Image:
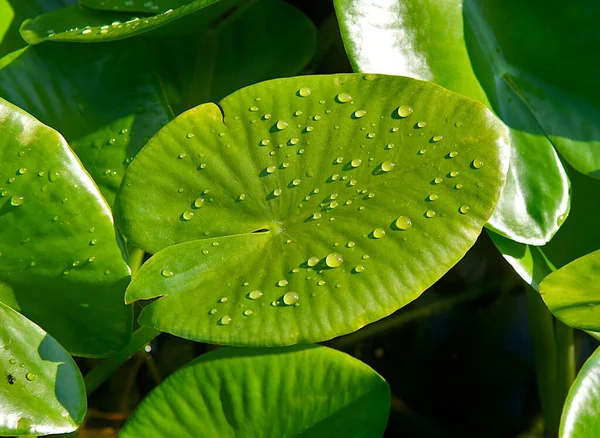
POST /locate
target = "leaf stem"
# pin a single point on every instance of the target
(565, 356)
(107, 367)
(136, 258)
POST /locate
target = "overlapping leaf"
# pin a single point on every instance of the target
(485, 50)
(41, 391)
(60, 262)
(255, 207)
(292, 392)
(105, 99)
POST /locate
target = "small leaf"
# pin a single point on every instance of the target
(582, 407)
(339, 198)
(41, 389)
(277, 392)
(60, 262)
(79, 24)
(573, 293)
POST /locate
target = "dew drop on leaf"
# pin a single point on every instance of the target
(403, 223)
(334, 260)
(290, 298)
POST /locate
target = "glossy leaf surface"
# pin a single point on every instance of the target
(41, 391)
(60, 262)
(485, 50)
(105, 99)
(79, 24)
(211, 64)
(573, 292)
(277, 392)
(294, 176)
(582, 407)
(145, 6)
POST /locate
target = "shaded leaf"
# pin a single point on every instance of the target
(269, 393)
(41, 391)
(582, 407)
(79, 24)
(484, 50)
(105, 99)
(263, 40)
(319, 167)
(60, 262)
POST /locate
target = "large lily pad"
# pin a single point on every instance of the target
(41, 389)
(77, 23)
(484, 49)
(573, 292)
(255, 202)
(106, 114)
(582, 407)
(277, 392)
(60, 262)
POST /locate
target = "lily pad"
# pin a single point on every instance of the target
(484, 50)
(80, 24)
(41, 389)
(247, 392)
(105, 113)
(61, 264)
(573, 292)
(582, 407)
(304, 208)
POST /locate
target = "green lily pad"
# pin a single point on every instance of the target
(215, 62)
(60, 262)
(41, 389)
(105, 113)
(573, 293)
(79, 24)
(247, 392)
(144, 6)
(582, 407)
(301, 209)
(484, 50)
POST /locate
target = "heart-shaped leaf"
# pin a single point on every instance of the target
(213, 63)
(276, 392)
(144, 6)
(41, 389)
(582, 407)
(308, 207)
(573, 292)
(105, 113)
(60, 262)
(79, 24)
(484, 49)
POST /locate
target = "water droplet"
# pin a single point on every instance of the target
(281, 125)
(298, 113)
(432, 197)
(22, 171)
(421, 124)
(356, 162)
(359, 113)
(190, 135)
(282, 283)
(317, 118)
(296, 182)
(276, 192)
(371, 135)
(53, 175)
(253, 109)
(212, 311)
(313, 261)
(378, 233)
(404, 111)
(187, 215)
(351, 244)
(166, 273)
(316, 216)
(270, 169)
(255, 295)
(453, 154)
(387, 166)
(369, 77)
(453, 174)
(223, 300)
(477, 164)
(241, 197)
(458, 124)
(343, 98)
(248, 312)
(403, 223)
(30, 376)
(458, 186)
(464, 209)
(430, 213)
(334, 260)
(290, 298)
(359, 268)
(390, 146)
(266, 116)
(422, 151)
(438, 180)
(225, 320)
(321, 283)
(436, 138)
(198, 202)
(304, 92)
(16, 200)
(561, 219)
(293, 141)
(265, 142)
